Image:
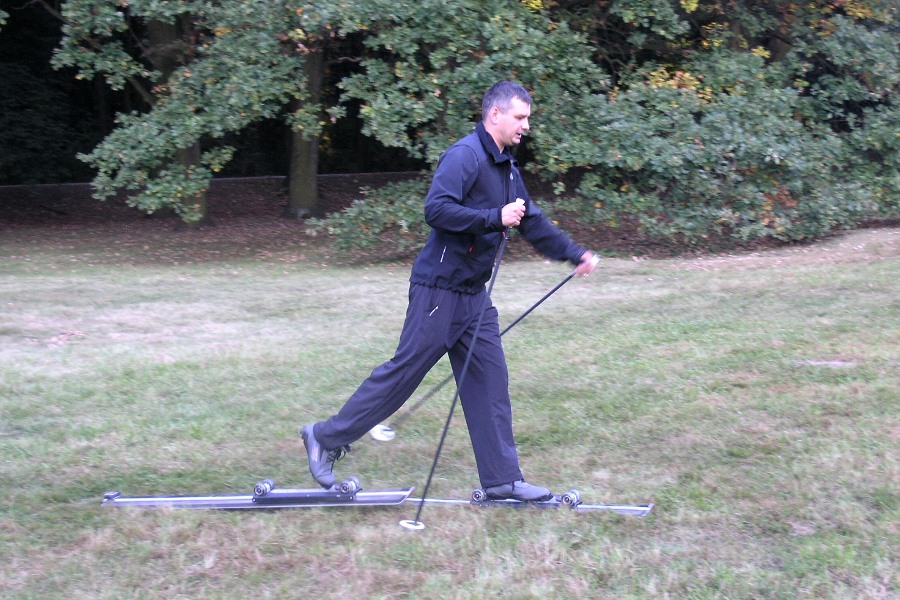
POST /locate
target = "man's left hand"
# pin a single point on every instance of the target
(589, 262)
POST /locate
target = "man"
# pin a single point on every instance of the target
(477, 193)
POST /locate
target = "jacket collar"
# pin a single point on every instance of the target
(491, 146)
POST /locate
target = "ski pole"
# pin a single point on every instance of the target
(415, 523)
(386, 433)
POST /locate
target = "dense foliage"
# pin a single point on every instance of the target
(694, 118)
(748, 120)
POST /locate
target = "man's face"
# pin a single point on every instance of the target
(509, 127)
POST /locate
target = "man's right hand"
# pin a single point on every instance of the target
(512, 213)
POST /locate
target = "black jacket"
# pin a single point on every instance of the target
(472, 183)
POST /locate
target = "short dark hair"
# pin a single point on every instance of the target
(501, 95)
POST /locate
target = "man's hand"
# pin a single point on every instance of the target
(589, 262)
(513, 212)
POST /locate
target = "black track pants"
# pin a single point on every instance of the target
(441, 322)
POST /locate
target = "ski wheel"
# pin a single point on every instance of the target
(479, 495)
(571, 498)
(263, 487)
(350, 486)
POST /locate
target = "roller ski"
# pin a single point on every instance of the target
(569, 500)
(265, 492)
(266, 495)
(347, 493)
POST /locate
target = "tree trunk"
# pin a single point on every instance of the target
(303, 171)
(166, 52)
(191, 156)
(782, 42)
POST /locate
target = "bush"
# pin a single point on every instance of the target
(876, 157)
(397, 208)
(716, 150)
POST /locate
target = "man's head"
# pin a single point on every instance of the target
(505, 110)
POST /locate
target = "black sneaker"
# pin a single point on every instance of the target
(321, 461)
(518, 490)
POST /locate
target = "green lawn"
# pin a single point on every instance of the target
(754, 398)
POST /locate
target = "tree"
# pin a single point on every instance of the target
(204, 69)
(313, 37)
(209, 69)
(431, 61)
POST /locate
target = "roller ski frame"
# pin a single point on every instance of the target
(266, 495)
(570, 500)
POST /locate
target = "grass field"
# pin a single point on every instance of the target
(754, 398)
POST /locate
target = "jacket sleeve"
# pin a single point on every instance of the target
(547, 238)
(444, 209)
